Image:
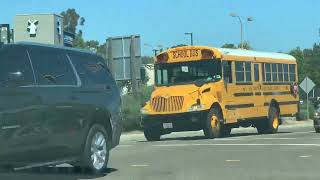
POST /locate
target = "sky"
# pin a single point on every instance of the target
(279, 25)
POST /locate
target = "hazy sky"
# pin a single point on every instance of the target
(279, 25)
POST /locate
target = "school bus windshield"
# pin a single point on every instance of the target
(186, 72)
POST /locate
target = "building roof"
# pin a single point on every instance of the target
(249, 53)
(36, 14)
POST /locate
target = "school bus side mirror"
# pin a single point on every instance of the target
(217, 78)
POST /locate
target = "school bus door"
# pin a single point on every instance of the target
(257, 84)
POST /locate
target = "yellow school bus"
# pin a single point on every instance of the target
(217, 89)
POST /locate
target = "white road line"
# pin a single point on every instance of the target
(305, 156)
(185, 145)
(139, 165)
(232, 160)
(288, 133)
(228, 139)
(275, 138)
(125, 145)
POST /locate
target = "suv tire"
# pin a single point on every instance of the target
(96, 151)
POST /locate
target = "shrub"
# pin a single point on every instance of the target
(131, 106)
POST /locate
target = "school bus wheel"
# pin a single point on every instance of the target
(151, 135)
(212, 126)
(271, 124)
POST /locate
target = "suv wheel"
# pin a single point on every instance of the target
(96, 152)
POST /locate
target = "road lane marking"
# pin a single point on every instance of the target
(139, 165)
(288, 133)
(275, 138)
(232, 160)
(228, 139)
(253, 144)
(305, 156)
(125, 145)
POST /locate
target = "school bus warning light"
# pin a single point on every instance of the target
(162, 58)
(207, 54)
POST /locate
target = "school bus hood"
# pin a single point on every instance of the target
(181, 90)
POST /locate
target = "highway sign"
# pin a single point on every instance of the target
(119, 57)
(307, 85)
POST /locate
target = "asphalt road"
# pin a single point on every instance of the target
(292, 154)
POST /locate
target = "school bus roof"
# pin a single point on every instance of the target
(182, 53)
(249, 53)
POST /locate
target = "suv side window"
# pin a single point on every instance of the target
(91, 69)
(52, 67)
(15, 60)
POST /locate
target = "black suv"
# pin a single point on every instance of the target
(57, 105)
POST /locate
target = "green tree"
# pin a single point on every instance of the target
(298, 54)
(147, 60)
(92, 45)
(246, 45)
(71, 22)
(228, 45)
(102, 50)
(78, 41)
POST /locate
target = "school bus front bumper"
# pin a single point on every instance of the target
(190, 121)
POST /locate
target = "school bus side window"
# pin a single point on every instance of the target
(248, 71)
(227, 71)
(292, 72)
(256, 72)
(285, 73)
(274, 72)
(267, 71)
(243, 71)
(239, 72)
(280, 72)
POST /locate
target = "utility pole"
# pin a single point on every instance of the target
(241, 26)
(133, 67)
(155, 52)
(307, 100)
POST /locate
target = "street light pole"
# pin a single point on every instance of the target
(241, 32)
(191, 37)
(155, 51)
(241, 26)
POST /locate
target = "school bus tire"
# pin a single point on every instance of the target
(151, 136)
(271, 124)
(213, 128)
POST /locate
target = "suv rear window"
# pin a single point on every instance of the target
(52, 67)
(91, 70)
